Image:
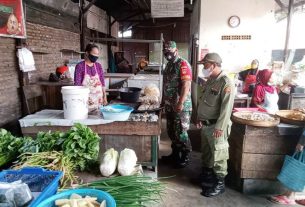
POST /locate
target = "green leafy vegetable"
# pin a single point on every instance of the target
(9, 146)
(81, 145)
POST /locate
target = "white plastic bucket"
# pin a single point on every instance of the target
(75, 102)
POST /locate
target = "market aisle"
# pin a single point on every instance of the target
(181, 192)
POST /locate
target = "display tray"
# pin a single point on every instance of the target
(148, 111)
(293, 117)
(237, 117)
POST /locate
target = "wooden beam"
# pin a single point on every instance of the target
(280, 4)
(88, 6)
(127, 40)
(290, 13)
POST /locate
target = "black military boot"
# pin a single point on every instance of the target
(183, 159)
(173, 157)
(207, 178)
(216, 190)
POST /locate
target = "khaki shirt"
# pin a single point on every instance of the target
(215, 101)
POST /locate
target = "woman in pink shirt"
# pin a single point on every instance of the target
(90, 73)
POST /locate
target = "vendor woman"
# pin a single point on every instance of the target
(265, 95)
(249, 77)
(90, 73)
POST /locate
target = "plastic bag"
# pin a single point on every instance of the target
(15, 194)
(109, 162)
(127, 162)
(6, 196)
(26, 60)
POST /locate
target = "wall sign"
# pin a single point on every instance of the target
(168, 8)
(12, 19)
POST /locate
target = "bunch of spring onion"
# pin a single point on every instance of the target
(53, 160)
(131, 191)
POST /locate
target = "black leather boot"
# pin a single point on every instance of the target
(216, 190)
(183, 159)
(207, 178)
(173, 157)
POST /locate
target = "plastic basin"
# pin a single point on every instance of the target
(116, 112)
(101, 195)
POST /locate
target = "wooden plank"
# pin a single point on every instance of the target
(259, 174)
(261, 162)
(140, 144)
(265, 131)
(114, 128)
(273, 144)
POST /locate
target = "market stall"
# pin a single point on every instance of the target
(258, 146)
(141, 136)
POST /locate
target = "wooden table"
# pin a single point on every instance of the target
(142, 137)
(257, 153)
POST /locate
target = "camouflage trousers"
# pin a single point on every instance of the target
(177, 126)
(215, 151)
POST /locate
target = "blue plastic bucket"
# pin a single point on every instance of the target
(100, 195)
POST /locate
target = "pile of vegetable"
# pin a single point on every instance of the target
(132, 191)
(9, 146)
(81, 145)
(52, 160)
(74, 150)
(76, 200)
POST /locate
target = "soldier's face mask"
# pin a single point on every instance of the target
(207, 70)
(169, 54)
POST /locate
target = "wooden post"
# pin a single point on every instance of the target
(82, 26)
(289, 17)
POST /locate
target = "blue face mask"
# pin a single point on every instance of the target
(92, 58)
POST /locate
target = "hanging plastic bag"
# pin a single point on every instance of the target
(26, 60)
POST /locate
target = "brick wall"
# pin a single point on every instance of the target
(46, 42)
(10, 106)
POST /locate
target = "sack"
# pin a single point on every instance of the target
(292, 174)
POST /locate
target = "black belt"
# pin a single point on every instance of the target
(209, 122)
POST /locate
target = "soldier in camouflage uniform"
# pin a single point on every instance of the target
(177, 78)
(215, 103)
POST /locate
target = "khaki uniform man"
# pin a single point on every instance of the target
(215, 103)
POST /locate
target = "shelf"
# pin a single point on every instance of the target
(40, 52)
(69, 50)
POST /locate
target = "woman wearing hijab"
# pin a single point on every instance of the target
(90, 73)
(265, 95)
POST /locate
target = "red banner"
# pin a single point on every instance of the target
(12, 19)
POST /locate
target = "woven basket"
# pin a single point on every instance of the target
(283, 116)
(292, 174)
(235, 118)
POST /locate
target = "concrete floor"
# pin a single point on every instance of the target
(181, 192)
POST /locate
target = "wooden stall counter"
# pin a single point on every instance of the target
(142, 137)
(257, 153)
